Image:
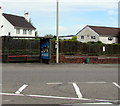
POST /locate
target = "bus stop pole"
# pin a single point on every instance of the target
(57, 38)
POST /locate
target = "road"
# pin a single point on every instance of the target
(26, 83)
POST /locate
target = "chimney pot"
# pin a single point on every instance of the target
(26, 16)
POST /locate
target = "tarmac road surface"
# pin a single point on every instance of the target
(26, 83)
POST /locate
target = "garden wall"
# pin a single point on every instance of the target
(86, 59)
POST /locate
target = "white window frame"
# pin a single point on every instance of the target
(93, 37)
(17, 30)
(30, 32)
(82, 37)
(110, 38)
(24, 31)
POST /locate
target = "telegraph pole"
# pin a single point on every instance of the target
(57, 29)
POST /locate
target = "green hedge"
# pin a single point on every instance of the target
(69, 47)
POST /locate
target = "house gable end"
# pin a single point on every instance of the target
(8, 28)
(87, 34)
(94, 31)
(82, 30)
(87, 31)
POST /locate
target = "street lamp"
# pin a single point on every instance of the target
(57, 38)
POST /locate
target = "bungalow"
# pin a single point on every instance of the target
(107, 35)
(67, 37)
(13, 25)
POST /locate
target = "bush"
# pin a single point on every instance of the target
(31, 47)
(96, 43)
(74, 38)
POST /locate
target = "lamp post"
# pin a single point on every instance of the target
(57, 38)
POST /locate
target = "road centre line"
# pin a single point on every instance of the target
(77, 90)
(96, 82)
(116, 84)
(21, 89)
(50, 83)
(54, 83)
(89, 82)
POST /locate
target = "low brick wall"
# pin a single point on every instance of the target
(21, 58)
(82, 59)
(109, 61)
(69, 59)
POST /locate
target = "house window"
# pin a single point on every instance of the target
(82, 37)
(18, 31)
(110, 38)
(30, 32)
(93, 37)
(24, 31)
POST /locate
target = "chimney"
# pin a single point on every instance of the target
(1, 10)
(1, 15)
(26, 16)
(1, 22)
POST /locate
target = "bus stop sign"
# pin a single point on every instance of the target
(45, 48)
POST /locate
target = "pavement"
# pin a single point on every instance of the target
(64, 84)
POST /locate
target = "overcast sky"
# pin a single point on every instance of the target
(73, 14)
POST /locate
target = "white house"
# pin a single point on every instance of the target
(107, 35)
(13, 25)
(67, 37)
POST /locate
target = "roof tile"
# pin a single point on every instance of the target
(105, 31)
(18, 21)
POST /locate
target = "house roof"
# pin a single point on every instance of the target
(105, 31)
(68, 36)
(18, 21)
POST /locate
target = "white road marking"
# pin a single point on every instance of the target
(116, 84)
(11, 94)
(54, 83)
(98, 103)
(6, 100)
(89, 82)
(77, 90)
(21, 89)
(43, 96)
(80, 97)
(96, 82)
(57, 97)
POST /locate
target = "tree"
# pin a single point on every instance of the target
(36, 34)
(74, 38)
(49, 35)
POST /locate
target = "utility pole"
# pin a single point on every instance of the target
(57, 38)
